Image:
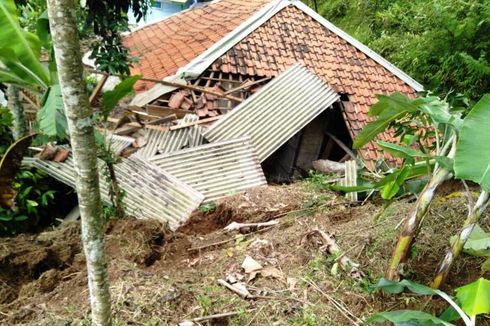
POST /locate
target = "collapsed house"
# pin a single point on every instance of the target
(239, 91)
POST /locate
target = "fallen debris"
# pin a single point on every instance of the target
(235, 226)
(239, 288)
(327, 166)
(329, 245)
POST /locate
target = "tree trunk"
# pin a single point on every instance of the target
(69, 62)
(474, 214)
(20, 124)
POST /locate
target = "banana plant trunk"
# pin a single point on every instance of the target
(76, 102)
(412, 223)
(452, 254)
(15, 106)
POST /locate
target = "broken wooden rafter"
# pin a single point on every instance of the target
(247, 85)
(97, 89)
(178, 85)
(330, 246)
(190, 124)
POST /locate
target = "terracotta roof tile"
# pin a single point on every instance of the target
(288, 37)
(283, 40)
(171, 43)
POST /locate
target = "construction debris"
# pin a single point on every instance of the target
(277, 112)
(327, 166)
(329, 245)
(167, 167)
(216, 170)
(149, 191)
(235, 226)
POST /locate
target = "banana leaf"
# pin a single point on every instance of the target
(25, 46)
(472, 160)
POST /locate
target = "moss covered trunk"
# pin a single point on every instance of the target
(79, 114)
(15, 106)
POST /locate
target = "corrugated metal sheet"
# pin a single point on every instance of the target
(216, 170)
(277, 112)
(177, 139)
(154, 138)
(119, 143)
(150, 192)
(172, 140)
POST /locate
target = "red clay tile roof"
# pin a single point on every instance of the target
(288, 37)
(166, 46)
(292, 36)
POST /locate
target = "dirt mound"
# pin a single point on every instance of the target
(27, 258)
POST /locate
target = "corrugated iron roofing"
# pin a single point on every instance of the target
(119, 143)
(277, 112)
(216, 170)
(172, 140)
(150, 193)
(293, 36)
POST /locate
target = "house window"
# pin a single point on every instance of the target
(157, 4)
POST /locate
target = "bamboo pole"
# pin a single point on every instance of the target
(474, 214)
(412, 223)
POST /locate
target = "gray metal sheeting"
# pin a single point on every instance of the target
(172, 140)
(150, 192)
(216, 170)
(119, 143)
(277, 112)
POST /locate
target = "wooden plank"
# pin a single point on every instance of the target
(247, 85)
(351, 179)
(162, 111)
(190, 124)
(98, 88)
(179, 85)
(159, 128)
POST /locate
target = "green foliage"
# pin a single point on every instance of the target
(442, 43)
(111, 98)
(387, 110)
(408, 317)
(51, 118)
(20, 50)
(34, 197)
(207, 208)
(475, 297)
(6, 121)
(108, 18)
(478, 243)
(472, 161)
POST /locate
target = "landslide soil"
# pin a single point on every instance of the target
(161, 278)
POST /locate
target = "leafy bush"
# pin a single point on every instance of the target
(442, 43)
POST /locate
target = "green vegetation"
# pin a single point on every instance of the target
(444, 44)
(471, 300)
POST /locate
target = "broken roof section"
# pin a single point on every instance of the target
(168, 45)
(149, 191)
(216, 170)
(277, 112)
(268, 39)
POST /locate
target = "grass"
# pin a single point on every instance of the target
(141, 294)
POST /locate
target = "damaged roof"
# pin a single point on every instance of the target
(165, 46)
(262, 38)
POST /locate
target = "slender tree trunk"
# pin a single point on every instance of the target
(474, 214)
(15, 106)
(68, 58)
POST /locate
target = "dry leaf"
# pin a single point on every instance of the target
(250, 265)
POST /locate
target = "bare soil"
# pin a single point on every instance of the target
(162, 278)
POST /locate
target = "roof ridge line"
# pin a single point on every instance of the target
(200, 63)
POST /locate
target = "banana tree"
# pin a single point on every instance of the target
(431, 126)
(20, 66)
(472, 162)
